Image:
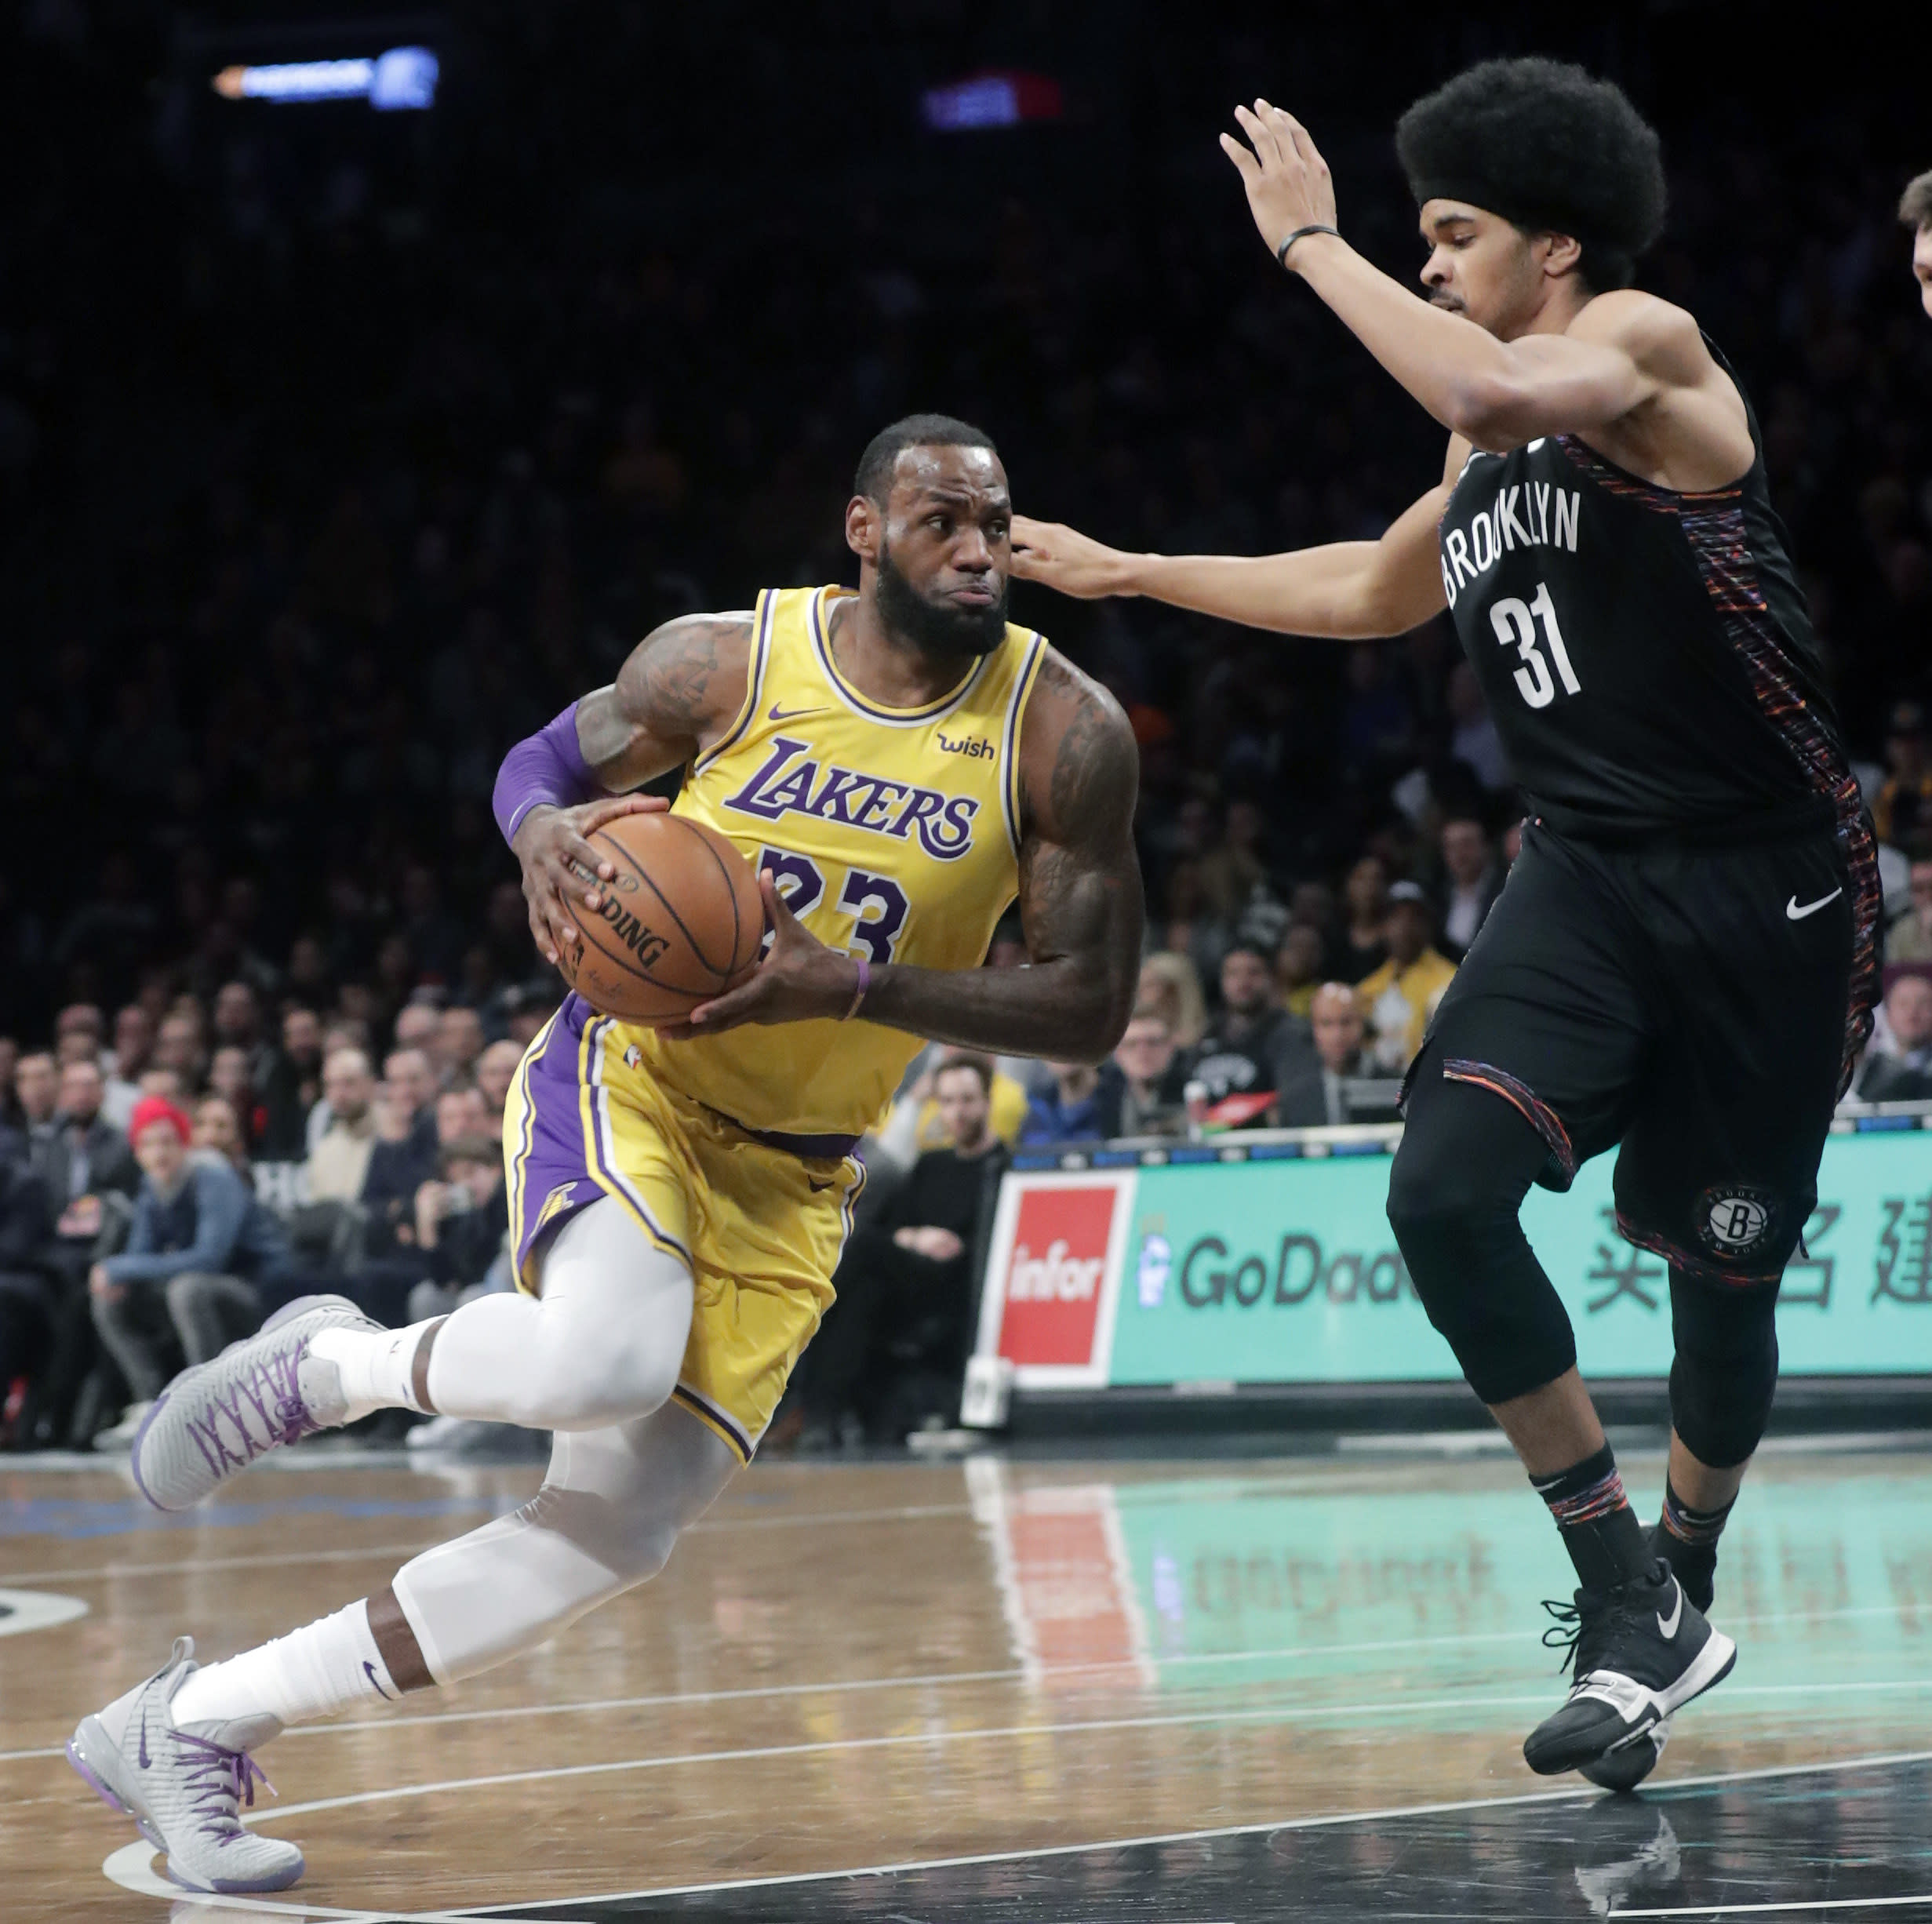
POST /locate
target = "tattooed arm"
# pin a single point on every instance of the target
(679, 691)
(1079, 902)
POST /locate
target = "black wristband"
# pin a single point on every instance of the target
(1316, 226)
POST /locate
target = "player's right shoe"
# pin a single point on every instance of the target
(1631, 1761)
(184, 1790)
(266, 1390)
(1637, 1652)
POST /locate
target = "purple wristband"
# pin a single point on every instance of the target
(544, 770)
(858, 993)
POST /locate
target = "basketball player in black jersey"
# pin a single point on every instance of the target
(1682, 960)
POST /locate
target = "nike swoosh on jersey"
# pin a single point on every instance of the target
(1669, 1630)
(790, 714)
(1794, 913)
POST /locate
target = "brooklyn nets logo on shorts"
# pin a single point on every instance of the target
(1733, 1222)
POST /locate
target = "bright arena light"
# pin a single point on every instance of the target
(403, 78)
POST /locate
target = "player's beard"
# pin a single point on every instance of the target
(942, 629)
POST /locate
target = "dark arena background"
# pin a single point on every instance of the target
(372, 380)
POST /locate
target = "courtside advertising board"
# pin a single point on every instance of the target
(1275, 1263)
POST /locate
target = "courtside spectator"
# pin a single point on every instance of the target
(1169, 987)
(1251, 1047)
(238, 1024)
(89, 1157)
(339, 1163)
(27, 1286)
(230, 1078)
(462, 1214)
(1909, 939)
(200, 1242)
(1901, 811)
(1318, 1098)
(495, 1070)
(460, 1113)
(1298, 964)
(904, 1283)
(1397, 999)
(133, 1047)
(292, 1087)
(218, 1133)
(1153, 1078)
(1365, 938)
(1898, 1065)
(37, 1091)
(178, 1046)
(415, 1026)
(459, 1041)
(1473, 879)
(1080, 1103)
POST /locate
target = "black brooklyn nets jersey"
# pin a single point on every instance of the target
(1646, 655)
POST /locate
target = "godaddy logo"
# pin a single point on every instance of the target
(1295, 1271)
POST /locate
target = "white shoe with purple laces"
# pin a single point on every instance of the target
(183, 1788)
(217, 1417)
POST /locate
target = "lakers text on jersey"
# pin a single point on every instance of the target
(892, 833)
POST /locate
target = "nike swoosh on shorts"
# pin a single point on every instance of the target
(1794, 913)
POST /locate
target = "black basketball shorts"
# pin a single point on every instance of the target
(1694, 1005)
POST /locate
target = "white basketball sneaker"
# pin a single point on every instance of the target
(266, 1390)
(184, 1788)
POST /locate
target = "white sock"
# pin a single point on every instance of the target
(378, 1367)
(323, 1668)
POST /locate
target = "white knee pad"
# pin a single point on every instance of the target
(606, 1518)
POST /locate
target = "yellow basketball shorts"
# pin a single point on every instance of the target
(760, 1227)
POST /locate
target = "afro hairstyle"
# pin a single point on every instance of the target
(1549, 148)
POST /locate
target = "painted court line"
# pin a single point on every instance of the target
(132, 1865)
(944, 1679)
(1767, 1910)
(1279, 1714)
(1715, 1780)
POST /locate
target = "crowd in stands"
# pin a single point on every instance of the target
(393, 459)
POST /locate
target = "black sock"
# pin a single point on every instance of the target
(1687, 1539)
(1599, 1529)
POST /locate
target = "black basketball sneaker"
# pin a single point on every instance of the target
(1625, 1766)
(1637, 1653)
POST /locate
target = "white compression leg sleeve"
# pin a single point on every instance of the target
(604, 1344)
(605, 1520)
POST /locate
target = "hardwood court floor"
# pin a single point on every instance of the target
(851, 1667)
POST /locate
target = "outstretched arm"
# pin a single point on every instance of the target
(1352, 591)
(1080, 904)
(1624, 352)
(679, 690)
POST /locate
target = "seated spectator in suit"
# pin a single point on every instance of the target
(37, 1095)
(1397, 999)
(1316, 1099)
(200, 1242)
(411, 1080)
(339, 1163)
(1475, 879)
(86, 1159)
(905, 1283)
(1154, 1078)
(1898, 1065)
(1909, 939)
(1081, 1103)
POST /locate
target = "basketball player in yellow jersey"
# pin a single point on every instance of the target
(899, 763)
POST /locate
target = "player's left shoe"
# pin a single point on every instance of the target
(182, 1786)
(1638, 1652)
(259, 1394)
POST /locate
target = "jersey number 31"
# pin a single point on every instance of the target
(1516, 623)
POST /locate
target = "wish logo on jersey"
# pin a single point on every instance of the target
(792, 782)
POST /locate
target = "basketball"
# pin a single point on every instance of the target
(680, 921)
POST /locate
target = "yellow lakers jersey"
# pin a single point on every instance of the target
(893, 834)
